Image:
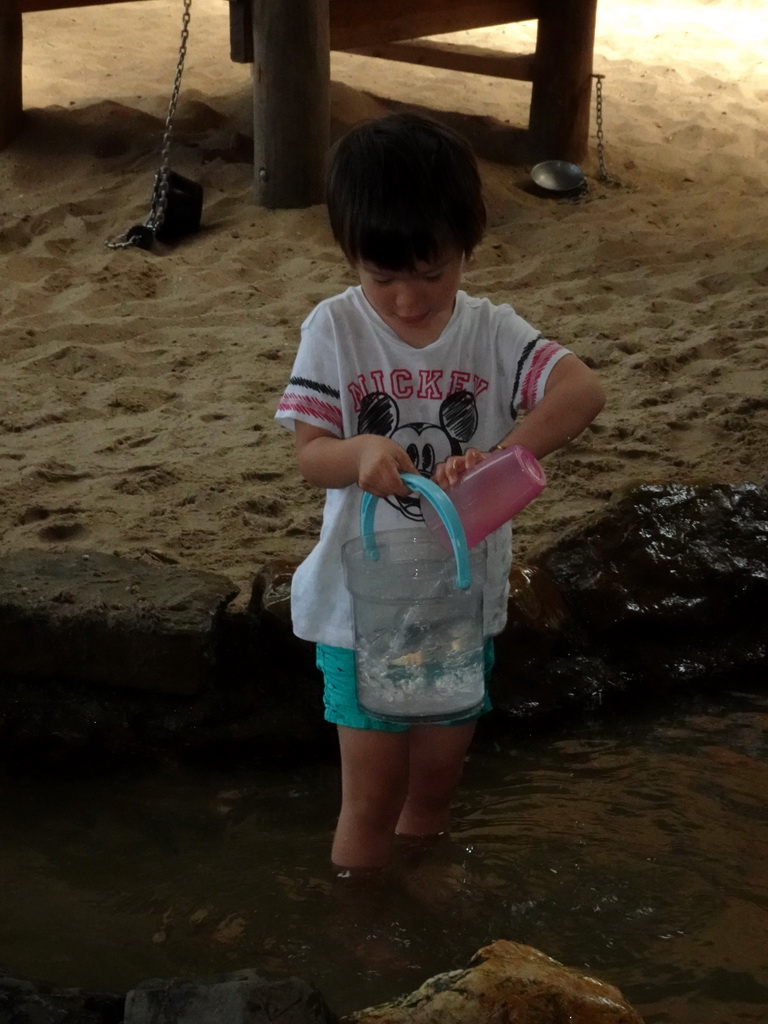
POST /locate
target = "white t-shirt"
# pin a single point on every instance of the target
(353, 375)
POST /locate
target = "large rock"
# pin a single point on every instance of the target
(506, 982)
(107, 658)
(103, 619)
(664, 589)
(679, 556)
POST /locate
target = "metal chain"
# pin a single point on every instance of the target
(159, 201)
(160, 194)
(603, 173)
(583, 195)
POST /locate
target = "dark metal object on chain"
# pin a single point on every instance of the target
(559, 177)
(177, 202)
(566, 180)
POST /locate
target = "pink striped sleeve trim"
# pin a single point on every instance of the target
(541, 360)
(314, 409)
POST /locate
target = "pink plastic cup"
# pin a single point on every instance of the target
(490, 494)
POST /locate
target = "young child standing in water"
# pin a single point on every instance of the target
(406, 373)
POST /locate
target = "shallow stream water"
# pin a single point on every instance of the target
(632, 845)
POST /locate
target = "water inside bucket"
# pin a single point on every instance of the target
(431, 673)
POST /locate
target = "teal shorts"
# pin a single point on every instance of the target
(340, 694)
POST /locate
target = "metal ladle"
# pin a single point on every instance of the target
(558, 176)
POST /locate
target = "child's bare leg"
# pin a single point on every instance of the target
(374, 779)
(436, 760)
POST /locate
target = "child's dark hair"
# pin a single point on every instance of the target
(404, 189)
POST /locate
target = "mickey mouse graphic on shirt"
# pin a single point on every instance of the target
(427, 444)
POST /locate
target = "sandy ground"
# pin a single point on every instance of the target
(139, 387)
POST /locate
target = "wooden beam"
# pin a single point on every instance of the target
(356, 23)
(28, 6)
(562, 80)
(291, 101)
(11, 46)
(453, 57)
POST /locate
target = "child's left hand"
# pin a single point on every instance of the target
(455, 466)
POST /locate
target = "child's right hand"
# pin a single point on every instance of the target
(380, 463)
(453, 469)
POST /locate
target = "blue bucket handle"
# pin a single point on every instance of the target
(444, 508)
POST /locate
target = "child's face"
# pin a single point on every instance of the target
(416, 304)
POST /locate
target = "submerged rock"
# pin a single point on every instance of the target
(506, 981)
(35, 1002)
(242, 997)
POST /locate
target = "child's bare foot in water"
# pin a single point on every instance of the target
(365, 922)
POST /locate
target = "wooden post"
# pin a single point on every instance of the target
(291, 100)
(10, 71)
(240, 32)
(562, 80)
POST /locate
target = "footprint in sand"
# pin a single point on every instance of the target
(39, 514)
(54, 472)
(56, 532)
(145, 479)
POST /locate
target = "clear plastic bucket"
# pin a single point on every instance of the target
(418, 617)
